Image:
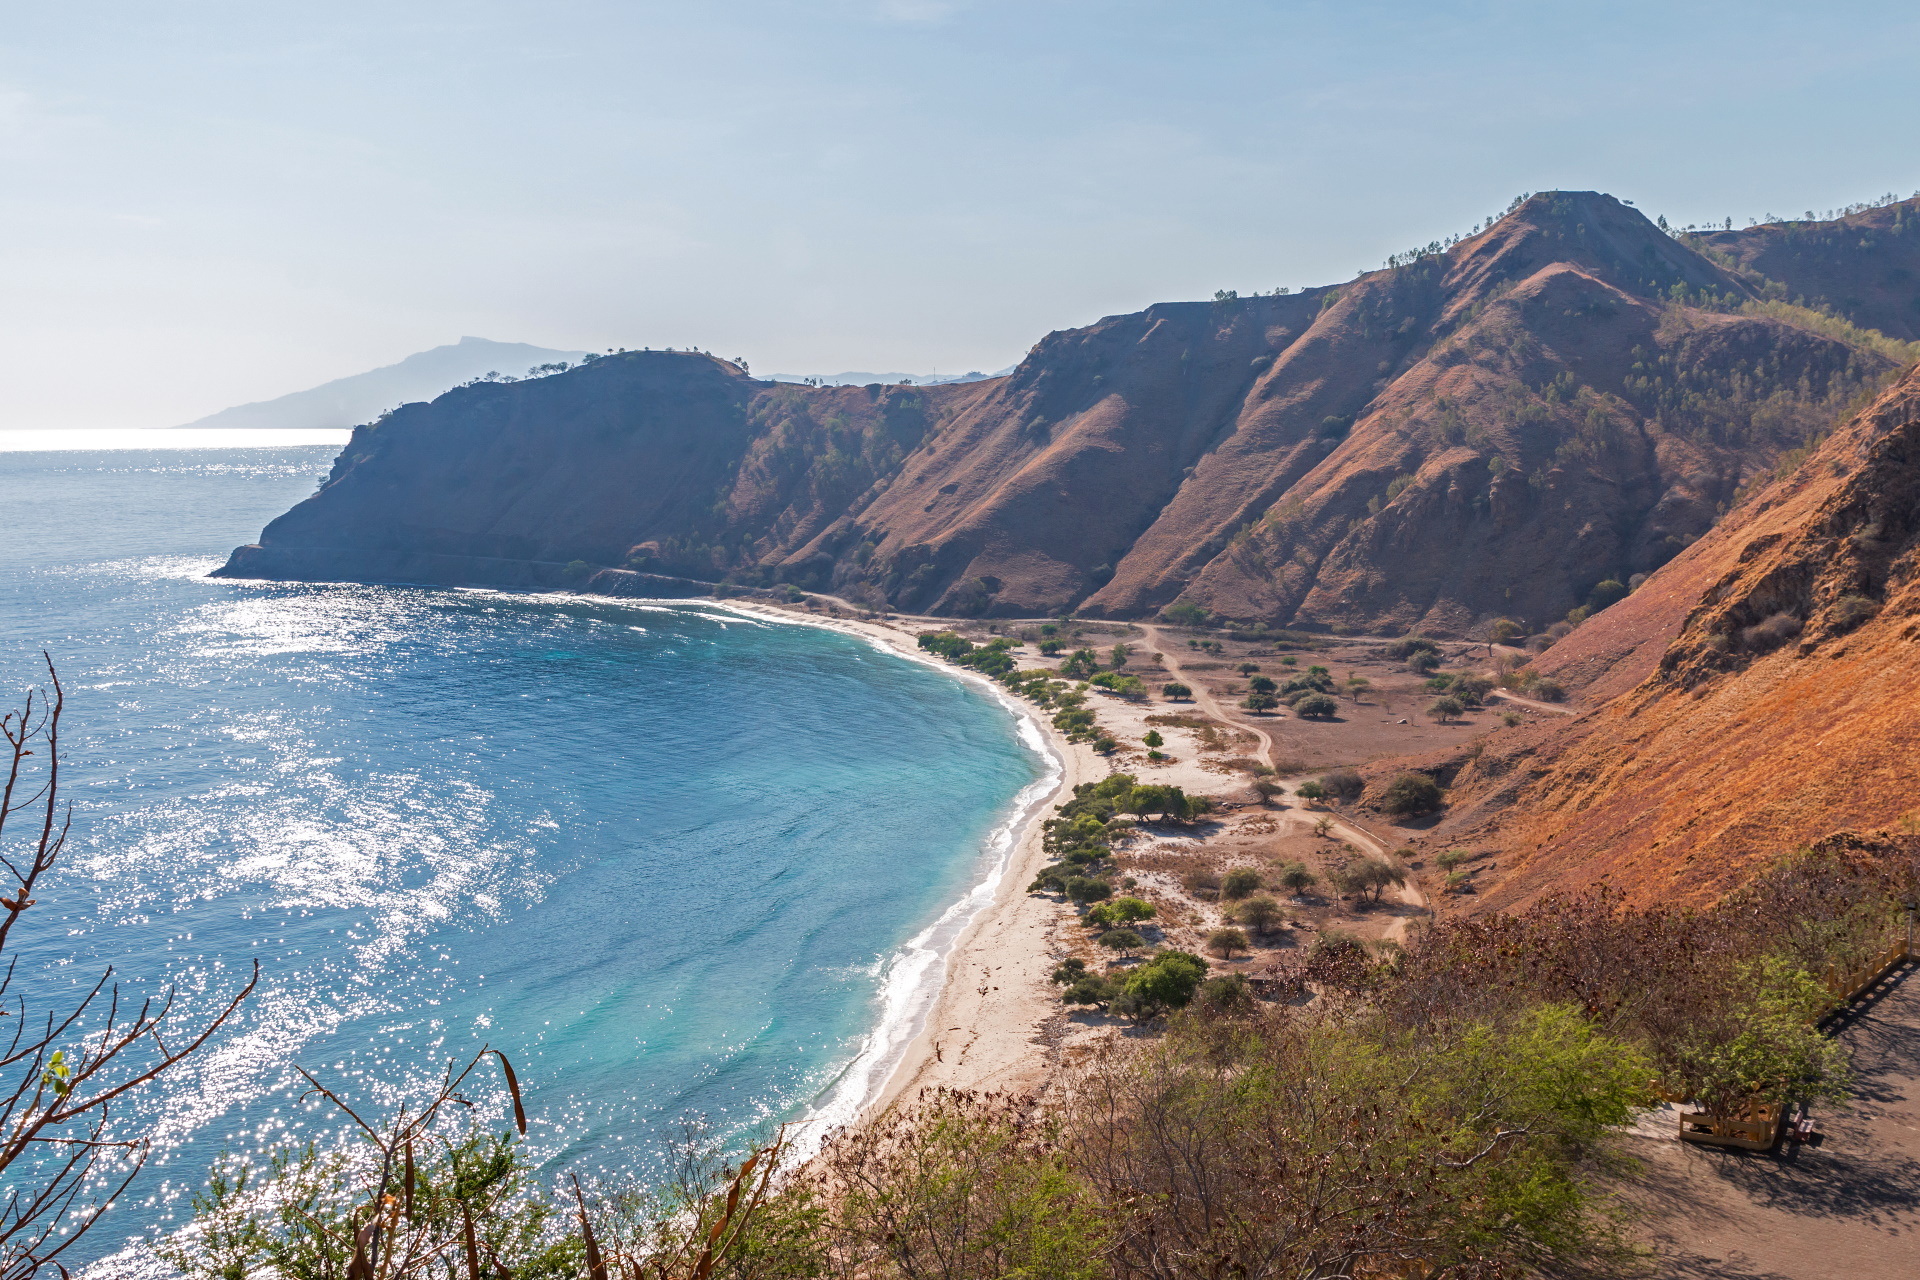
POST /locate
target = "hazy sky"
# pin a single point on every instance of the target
(207, 203)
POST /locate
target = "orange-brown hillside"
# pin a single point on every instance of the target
(1754, 695)
(1485, 428)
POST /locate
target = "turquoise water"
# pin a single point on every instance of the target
(673, 860)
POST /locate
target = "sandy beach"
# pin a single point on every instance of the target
(988, 1028)
(997, 1023)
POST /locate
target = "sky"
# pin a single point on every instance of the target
(209, 202)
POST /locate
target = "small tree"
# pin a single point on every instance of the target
(1167, 981)
(1248, 668)
(1120, 655)
(1260, 913)
(1296, 879)
(1120, 911)
(1371, 877)
(1125, 941)
(1240, 882)
(1445, 709)
(1153, 739)
(1324, 828)
(1090, 988)
(1346, 784)
(1260, 703)
(1310, 790)
(1087, 889)
(1411, 793)
(1316, 706)
(1081, 664)
(1224, 942)
(1174, 691)
(1262, 684)
(1357, 685)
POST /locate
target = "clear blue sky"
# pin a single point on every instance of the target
(213, 202)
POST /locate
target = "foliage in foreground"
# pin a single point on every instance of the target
(1442, 1110)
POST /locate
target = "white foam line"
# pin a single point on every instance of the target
(917, 972)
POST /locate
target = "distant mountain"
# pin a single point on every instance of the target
(858, 379)
(348, 402)
(1486, 428)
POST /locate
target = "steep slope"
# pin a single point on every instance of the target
(669, 461)
(359, 398)
(1486, 430)
(1779, 706)
(1865, 266)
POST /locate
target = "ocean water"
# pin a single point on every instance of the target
(675, 861)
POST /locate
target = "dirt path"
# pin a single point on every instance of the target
(1548, 707)
(1408, 893)
(1201, 698)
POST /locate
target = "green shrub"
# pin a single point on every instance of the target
(1224, 942)
(1120, 911)
(1411, 793)
(1240, 882)
(1122, 940)
(1295, 878)
(1086, 889)
(1081, 664)
(1405, 647)
(1260, 703)
(1090, 988)
(1316, 706)
(1167, 981)
(1609, 591)
(1176, 691)
(1259, 913)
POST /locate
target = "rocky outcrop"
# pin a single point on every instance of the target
(1486, 430)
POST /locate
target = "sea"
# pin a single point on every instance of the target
(688, 868)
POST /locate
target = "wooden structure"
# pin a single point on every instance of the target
(1761, 1125)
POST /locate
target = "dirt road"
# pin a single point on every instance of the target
(1408, 893)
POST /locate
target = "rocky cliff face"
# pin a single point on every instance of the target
(1483, 431)
(1755, 694)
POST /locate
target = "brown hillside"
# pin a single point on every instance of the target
(1865, 266)
(1485, 430)
(1768, 679)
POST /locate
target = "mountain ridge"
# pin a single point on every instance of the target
(1751, 695)
(1487, 430)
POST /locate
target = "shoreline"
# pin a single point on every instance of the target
(986, 1000)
